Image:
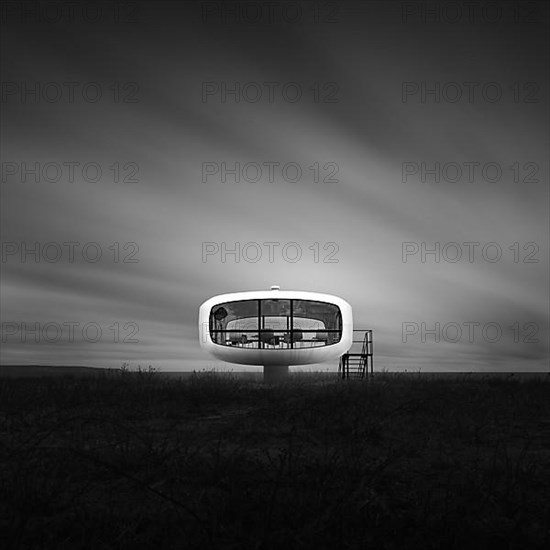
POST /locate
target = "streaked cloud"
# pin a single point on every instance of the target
(369, 213)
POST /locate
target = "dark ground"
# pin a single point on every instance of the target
(138, 460)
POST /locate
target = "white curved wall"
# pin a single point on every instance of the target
(301, 356)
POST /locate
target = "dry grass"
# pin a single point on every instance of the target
(138, 461)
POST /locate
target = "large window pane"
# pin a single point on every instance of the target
(320, 323)
(234, 323)
(275, 308)
(275, 324)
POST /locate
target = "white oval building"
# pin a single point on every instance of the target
(276, 328)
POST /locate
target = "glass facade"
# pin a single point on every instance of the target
(275, 324)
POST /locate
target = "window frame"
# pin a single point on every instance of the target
(262, 333)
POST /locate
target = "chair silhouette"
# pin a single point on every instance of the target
(267, 336)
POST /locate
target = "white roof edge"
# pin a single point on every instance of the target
(278, 294)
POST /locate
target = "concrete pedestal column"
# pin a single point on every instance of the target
(275, 373)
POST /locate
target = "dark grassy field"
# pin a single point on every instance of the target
(137, 460)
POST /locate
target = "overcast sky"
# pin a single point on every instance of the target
(380, 138)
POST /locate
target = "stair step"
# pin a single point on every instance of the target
(359, 360)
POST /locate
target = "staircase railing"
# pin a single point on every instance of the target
(365, 358)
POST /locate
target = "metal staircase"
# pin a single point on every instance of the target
(355, 364)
